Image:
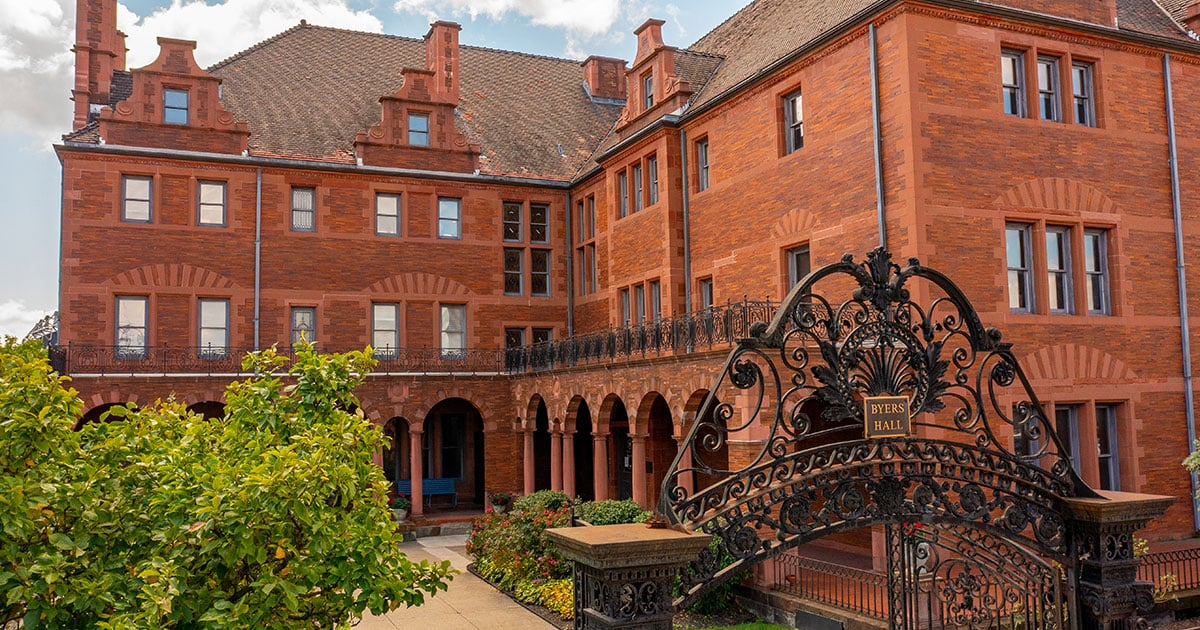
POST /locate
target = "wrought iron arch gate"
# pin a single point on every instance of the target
(973, 500)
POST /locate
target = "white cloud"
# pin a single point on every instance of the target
(36, 36)
(17, 320)
(582, 17)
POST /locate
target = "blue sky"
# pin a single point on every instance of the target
(36, 72)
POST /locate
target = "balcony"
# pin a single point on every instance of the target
(708, 329)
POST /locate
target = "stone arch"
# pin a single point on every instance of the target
(1056, 193)
(531, 410)
(418, 283)
(454, 432)
(179, 275)
(798, 221)
(422, 409)
(201, 396)
(94, 414)
(1079, 363)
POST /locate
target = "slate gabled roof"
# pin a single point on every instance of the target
(307, 91)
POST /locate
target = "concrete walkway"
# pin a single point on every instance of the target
(469, 604)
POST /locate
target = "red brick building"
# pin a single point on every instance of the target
(444, 203)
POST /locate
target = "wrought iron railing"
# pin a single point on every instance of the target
(1182, 564)
(718, 326)
(123, 360)
(854, 590)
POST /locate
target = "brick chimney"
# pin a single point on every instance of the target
(441, 57)
(1192, 18)
(99, 49)
(649, 36)
(605, 78)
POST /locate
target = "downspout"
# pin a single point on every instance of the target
(257, 249)
(1184, 324)
(687, 238)
(878, 140)
(570, 273)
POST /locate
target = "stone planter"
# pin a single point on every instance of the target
(400, 514)
(499, 509)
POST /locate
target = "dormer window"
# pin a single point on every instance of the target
(175, 106)
(648, 91)
(418, 130)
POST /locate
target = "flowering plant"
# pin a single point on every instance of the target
(401, 502)
(502, 499)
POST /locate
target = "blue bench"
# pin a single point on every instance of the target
(430, 488)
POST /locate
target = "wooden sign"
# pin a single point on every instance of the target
(885, 416)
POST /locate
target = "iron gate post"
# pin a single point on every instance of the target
(624, 574)
(1109, 594)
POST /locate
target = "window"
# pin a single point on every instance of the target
(449, 218)
(542, 335)
(1106, 441)
(1012, 78)
(1095, 264)
(385, 330)
(637, 187)
(304, 209)
(387, 214)
(639, 304)
(793, 115)
(304, 324)
(582, 234)
(454, 331)
(706, 293)
(132, 312)
(214, 328)
(175, 106)
(648, 91)
(584, 276)
(1026, 432)
(1081, 85)
(655, 300)
(513, 271)
(592, 266)
(210, 208)
(622, 194)
(512, 221)
(418, 130)
(1020, 266)
(1047, 75)
(539, 223)
(135, 198)
(798, 265)
(591, 216)
(1058, 268)
(539, 272)
(702, 164)
(652, 173)
(625, 307)
(1066, 424)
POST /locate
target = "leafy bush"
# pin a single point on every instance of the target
(542, 501)
(611, 512)
(512, 547)
(274, 516)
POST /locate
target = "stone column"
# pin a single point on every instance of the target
(1109, 593)
(556, 473)
(528, 460)
(624, 573)
(639, 471)
(600, 466)
(416, 469)
(568, 463)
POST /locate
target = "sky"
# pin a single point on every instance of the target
(37, 68)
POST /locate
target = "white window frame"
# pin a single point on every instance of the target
(639, 304)
(799, 262)
(450, 218)
(1083, 97)
(1066, 416)
(205, 204)
(648, 90)
(212, 335)
(385, 336)
(1049, 92)
(652, 178)
(622, 194)
(793, 115)
(417, 136)
(388, 210)
(704, 286)
(702, 166)
(1012, 87)
(131, 336)
(172, 111)
(304, 219)
(1096, 278)
(132, 206)
(638, 200)
(655, 300)
(453, 340)
(625, 312)
(1020, 294)
(1058, 270)
(1108, 454)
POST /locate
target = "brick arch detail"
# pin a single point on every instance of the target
(1078, 363)
(1056, 193)
(422, 409)
(171, 275)
(796, 222)
(418, 283)
(210, 395)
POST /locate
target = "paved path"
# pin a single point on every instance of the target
(470, 604)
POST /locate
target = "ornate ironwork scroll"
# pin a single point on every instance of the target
(984, 456)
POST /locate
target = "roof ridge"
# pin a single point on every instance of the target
(522, 54)
(701, 53)
(253, 47)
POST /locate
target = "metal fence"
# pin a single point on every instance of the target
(847, 588)
(1183, 564)
(718, 326)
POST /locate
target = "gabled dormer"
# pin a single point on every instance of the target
(416, 127)
(653, 86)
(174, 104)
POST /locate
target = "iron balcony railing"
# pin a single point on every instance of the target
(847, 588)
(1171, 571)
(718, 326)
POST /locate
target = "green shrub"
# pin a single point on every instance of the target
(611, 512)
(510, 548)
(542, 501)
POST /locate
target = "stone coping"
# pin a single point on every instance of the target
(629, 545)
(1119, 506)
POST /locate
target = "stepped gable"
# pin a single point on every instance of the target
(307, 92)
